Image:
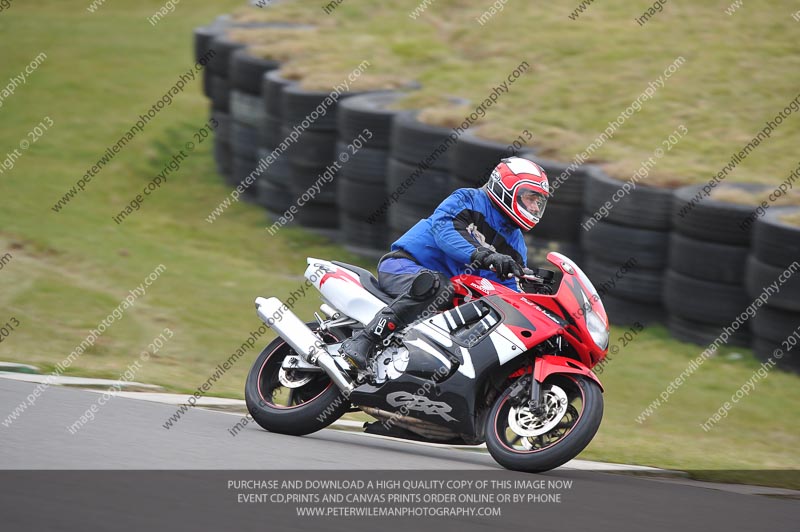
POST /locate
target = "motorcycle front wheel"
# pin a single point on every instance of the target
(520, 440)
(290, 401)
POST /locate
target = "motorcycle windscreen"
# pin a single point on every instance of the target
(580, 298)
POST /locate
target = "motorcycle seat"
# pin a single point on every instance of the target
(368, 281)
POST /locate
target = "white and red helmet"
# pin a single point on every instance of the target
(520, 189)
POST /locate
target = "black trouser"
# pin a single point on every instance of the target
(418, 294)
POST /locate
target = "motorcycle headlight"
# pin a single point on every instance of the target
(597, 329)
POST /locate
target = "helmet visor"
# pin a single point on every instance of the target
(531, 203)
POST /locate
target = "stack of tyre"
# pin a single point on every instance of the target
(776, 326)
(704, 286)
(247, 113)
(418, 173)
(313, 177)
(273, 184)
(625, 235)
(216, 87)
(365, 127)
(560, 228)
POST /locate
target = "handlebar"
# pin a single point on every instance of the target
(539, 275)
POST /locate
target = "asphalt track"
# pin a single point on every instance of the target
(128, 436)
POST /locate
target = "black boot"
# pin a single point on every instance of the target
(358, 348)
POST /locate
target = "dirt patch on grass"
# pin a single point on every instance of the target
(729, 194)
(294, 12)
(791, 219)
(273, 36)
(625, 170)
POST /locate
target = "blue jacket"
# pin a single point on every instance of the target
(463, 221)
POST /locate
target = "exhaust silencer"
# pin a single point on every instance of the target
(297, 334)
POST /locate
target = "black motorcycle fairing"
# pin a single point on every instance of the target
(451, 402)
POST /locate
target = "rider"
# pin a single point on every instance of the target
(471, 229)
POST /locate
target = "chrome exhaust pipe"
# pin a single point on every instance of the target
(301, 339)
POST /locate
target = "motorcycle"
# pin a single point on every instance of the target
(511, 369)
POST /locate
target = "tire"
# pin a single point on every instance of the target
(626, 312)
(367, 165)
(618, 244)
(635, 284)
(474, 158)
(776, 242)
(703, 301)
(414, 142)
(303, 178)
(357, 232)
(710, 219)
(247, 109)
(244, 140)
(356, 198)
(318, 411)
(224, 48)
(318, 215)
(246, 71)
(278, 173)
(312, 147)
(272, 86)
(764, 350)
(704, 334)
(759, 275)
(299, 104)
(709, 261)
(220, 94)
(272, 197)
(569, 190)
(560, 222)
(538, 248)
(403, 216)
(421, 187)
(564, 449)
(270, 134)
(242, 168)
(223, 129)
(223, 157)
(203, 37)
(368, 111)
(644, 207)
(774, 324)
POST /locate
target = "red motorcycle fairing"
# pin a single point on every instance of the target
(543, 316)
(549, 365)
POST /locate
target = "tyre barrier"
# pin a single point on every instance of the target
(245, 73)
(418, 173)
(311, 154)
(775, 255)
(624, 233)
(708, 251)
(696, 264)
(775, 332)
(270, 137)
(363, 187)
(474, 158)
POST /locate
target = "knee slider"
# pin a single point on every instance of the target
(424, 285)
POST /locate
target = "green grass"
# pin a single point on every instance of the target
(69, 270)
(585, 72)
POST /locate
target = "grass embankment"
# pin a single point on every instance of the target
(70, 269)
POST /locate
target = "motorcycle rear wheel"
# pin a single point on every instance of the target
(521, 441)
(295, 411)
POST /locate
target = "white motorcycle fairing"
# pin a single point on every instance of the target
(342, 290)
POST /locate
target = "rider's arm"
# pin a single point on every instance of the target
(449, 224)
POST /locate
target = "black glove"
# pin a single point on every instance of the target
(504, 266)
